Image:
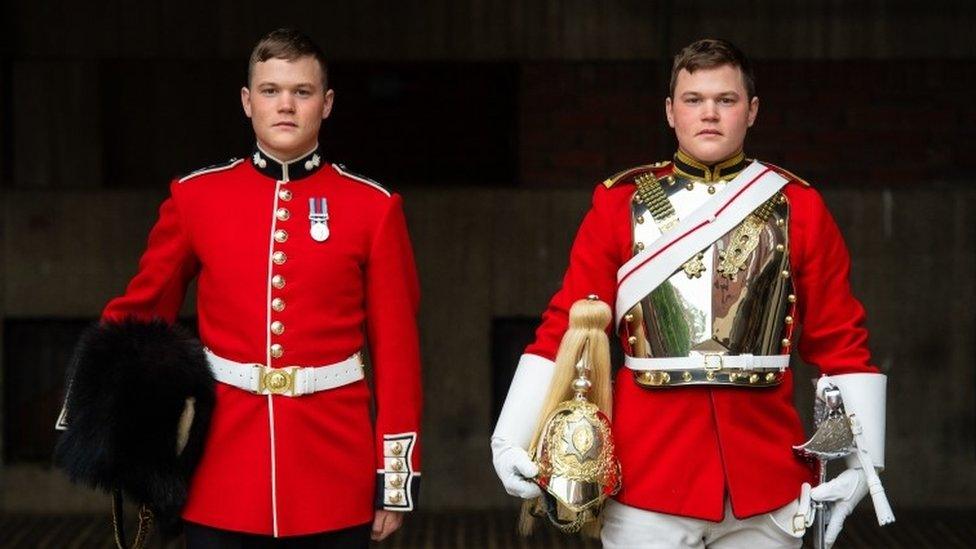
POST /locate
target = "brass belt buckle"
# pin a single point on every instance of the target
(710, 368)
(277, 381)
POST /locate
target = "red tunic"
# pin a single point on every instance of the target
(276, 464)
(683, 449)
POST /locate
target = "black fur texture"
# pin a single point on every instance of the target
(127, 385)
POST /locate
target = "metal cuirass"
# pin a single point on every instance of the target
(730, 299)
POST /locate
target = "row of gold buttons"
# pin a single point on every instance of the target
(279, 258)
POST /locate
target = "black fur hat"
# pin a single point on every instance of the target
(128, 387)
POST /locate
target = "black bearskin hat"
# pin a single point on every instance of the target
(130, 386)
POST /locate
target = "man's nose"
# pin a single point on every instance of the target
(286, 103)
(710, 111)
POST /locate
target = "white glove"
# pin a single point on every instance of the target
(864, 402)
(516, 425)
(514, 466)
(844, 492)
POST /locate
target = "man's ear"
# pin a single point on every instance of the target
(246, 101)
(668, 113)
(327, 106)
(753, 110)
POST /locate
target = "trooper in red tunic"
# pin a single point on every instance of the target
(300, 266)
(703, 417)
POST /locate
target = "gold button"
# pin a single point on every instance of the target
(278, 281)
(780, 248)
(278, 304)
(785, 274)
(397, 465)
(710, 375)
(770, 377)
(788, 320)
(282, 214)
(629, 317)
(396, 448)
(397, 482)
(277, 327)
(281, 235)
(733, 376)
(690, 186)
(791, 298)
(284, 194)
(640, 219)
(279, 258)
(640, 246)
(785, 342)
(780, 222)
(277, 350)
(646, 376)
(632, 340)
(396, 498)
(686, 376)
(754, 378)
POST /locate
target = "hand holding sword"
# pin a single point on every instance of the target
(839, 434)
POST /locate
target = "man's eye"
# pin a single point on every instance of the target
(727, 101)
(269, 91)
(692, 100)
(303, 93)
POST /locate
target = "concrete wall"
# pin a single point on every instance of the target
(497, 29)
(485, 253)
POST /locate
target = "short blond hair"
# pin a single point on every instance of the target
(710, 53)
(287, 44)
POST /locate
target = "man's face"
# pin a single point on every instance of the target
(286, 105)
(711, 112)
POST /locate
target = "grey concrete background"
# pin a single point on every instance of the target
(68, 243)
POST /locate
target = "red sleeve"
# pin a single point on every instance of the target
(593, 263)
(833, 337)
(392, 300)
(165, 269)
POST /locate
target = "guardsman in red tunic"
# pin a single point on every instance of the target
(302, 268)
(713, 264)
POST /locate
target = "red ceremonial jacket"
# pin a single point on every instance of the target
(275, 464)
(683, 450)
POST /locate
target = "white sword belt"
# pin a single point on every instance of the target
(289, 381)
(743, 370)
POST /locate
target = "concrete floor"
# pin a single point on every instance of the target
(496, 530)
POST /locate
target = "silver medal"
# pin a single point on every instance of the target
(320, 232)
(319, 219)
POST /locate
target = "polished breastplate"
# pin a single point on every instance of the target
(730, 299)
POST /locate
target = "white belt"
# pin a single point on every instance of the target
(290, 381)
(710, 362)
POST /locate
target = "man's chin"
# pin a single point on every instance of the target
(712, 155)
(287, 149)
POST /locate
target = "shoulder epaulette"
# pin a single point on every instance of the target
(212, 168)
(361, 178)
(631, 173)
(787, 174)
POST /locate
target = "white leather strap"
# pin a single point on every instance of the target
(648, 269)
(291, 381)
(696, 361)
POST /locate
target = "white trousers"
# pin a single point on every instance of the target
(630, 527)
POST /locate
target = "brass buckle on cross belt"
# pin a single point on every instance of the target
(277, 381)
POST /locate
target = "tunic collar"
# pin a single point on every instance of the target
(291, 170)
(726, 169)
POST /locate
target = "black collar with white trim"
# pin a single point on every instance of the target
(727, 169)
(301, 167)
